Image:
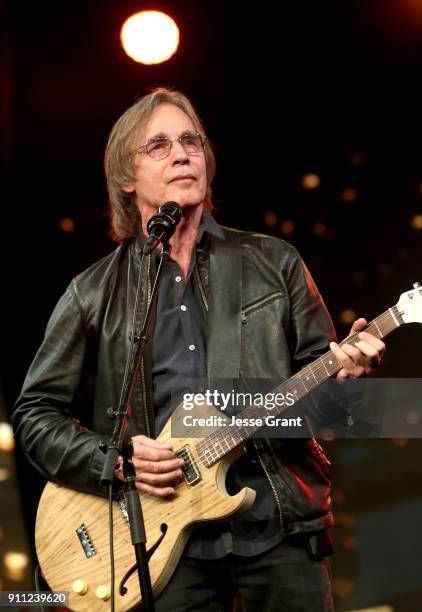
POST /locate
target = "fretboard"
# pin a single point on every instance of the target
(224, 439)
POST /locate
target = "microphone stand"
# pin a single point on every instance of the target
(117, 445)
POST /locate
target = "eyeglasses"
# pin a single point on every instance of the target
(193, 143)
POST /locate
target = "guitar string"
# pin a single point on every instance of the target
(207, 447)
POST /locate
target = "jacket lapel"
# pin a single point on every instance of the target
(224, 299)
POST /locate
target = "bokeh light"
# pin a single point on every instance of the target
(310, 181)
(150, 37)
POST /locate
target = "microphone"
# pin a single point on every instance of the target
(162, 225)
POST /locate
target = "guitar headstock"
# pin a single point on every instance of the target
(410, 305)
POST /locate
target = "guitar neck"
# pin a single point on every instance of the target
(224, 439)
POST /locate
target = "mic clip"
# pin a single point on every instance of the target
(162, 225)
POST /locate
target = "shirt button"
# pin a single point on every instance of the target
(183, 307)
(192, 347)
(178, 279)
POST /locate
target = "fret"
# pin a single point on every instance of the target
(330, 363)
(393, 314)
(303, 381)
(325, 367)
(378, 329)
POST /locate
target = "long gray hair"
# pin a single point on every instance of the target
(124, 214)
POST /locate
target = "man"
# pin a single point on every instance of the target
(232, 305)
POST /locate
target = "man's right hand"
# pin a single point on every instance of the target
(157, 468)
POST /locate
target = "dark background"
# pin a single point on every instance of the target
(284, 90)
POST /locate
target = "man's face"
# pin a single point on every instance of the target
(180, 177)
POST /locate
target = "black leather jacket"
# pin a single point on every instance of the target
(266, 319)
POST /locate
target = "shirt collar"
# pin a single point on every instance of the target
(209, 224)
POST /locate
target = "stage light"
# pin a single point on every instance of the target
(4, 475)
(319, 229)
(310, 181)
(287, 227)
(7, 442)
(343, 587)
(270, 219)
(416, 222)
(347, 315)
(349, 542)
(67, 225)
(399, 442)
(15, 564)
(150, 37)
(355, 158)
(344, 519)
(349, 195)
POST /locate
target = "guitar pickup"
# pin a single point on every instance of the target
(191, 474)
(85, 541)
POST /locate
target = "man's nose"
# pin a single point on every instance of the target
(178, 152)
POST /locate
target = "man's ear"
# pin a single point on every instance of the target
(127, 186)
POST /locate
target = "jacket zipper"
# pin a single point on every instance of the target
(251, 307)
(255, 305)
(144, 391)
(273, 487)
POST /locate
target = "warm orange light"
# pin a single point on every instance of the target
(270, 218)
(416, 222)
(150, 37)
(343, 587)
(399, 441)
(346, 520)
(7, 441)
(15, 564)
(347, 316)
(319, 229)
(349, 542)
(356, 158)
(287, 227)
(310, 181)
(67, 225)
(349, 195)
(4, 475)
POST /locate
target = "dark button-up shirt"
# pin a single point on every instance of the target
(179, 355)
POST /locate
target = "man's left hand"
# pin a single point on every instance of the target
(363, 357)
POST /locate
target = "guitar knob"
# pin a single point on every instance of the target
(80, 587)
(103, 592)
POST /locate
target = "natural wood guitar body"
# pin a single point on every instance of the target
(168, 523)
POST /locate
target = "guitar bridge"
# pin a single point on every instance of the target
(191, 474)
(85, 541)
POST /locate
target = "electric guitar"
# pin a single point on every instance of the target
(71, 532)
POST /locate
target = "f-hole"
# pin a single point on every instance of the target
(150, 552)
